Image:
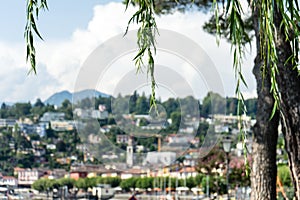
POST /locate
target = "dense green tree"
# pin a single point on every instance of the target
(112, 181)
(3, 111)
(69, 182)
(191, 182)
(133, 102)
(41, 185)
(81, 183)
(7, 155)
(171, 105)
(22, 142)
(120, 105)
(21, 109)
(61, 146)
(231, 105)
(39, 103)
(202, 130)
(129, 183)
(66, 107)
(251, 105)
(25, 160)
(145, 183)
(189, 106)
(176, 121)
(213, 103)
(50, 133)
(142, 105)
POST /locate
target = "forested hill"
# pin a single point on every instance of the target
(138, 104)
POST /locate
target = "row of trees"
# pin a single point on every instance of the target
(138, 104)
(217, 184)
(35, 110)
(44, 184)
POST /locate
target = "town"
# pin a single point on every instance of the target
(65, 150)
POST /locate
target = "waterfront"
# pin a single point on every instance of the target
(29, 194)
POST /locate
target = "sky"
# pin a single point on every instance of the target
(73, 29)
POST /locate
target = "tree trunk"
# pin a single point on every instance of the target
(264, 169)
(288, 82)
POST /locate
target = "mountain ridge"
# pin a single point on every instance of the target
(58, 97)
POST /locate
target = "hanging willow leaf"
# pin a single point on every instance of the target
(33, 8)
(147, 30)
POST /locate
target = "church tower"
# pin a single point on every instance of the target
(129, 152)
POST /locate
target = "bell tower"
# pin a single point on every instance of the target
(129, 152)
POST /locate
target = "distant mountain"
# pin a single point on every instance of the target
(87, 94)
(59, 97)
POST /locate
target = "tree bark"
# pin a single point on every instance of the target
(288, 81)
(264, 168)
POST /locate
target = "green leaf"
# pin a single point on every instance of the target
(141, 52)
(242, 78)
(32, 6)
(275, 108)
(33, 25)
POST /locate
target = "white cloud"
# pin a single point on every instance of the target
(59, 61)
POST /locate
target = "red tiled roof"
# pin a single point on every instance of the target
(9, 177)
(18, 169)
(188, 169)
(134, 171)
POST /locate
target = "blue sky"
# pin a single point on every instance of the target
(62, 18)
(72, 29)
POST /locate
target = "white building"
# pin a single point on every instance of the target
(62, 125)
(52, 116)
(7, 122)
(160, 158)
(8, 181)
(29, 176)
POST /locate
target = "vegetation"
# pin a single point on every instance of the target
(43, 185)
(138, 105)
(216, 183)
